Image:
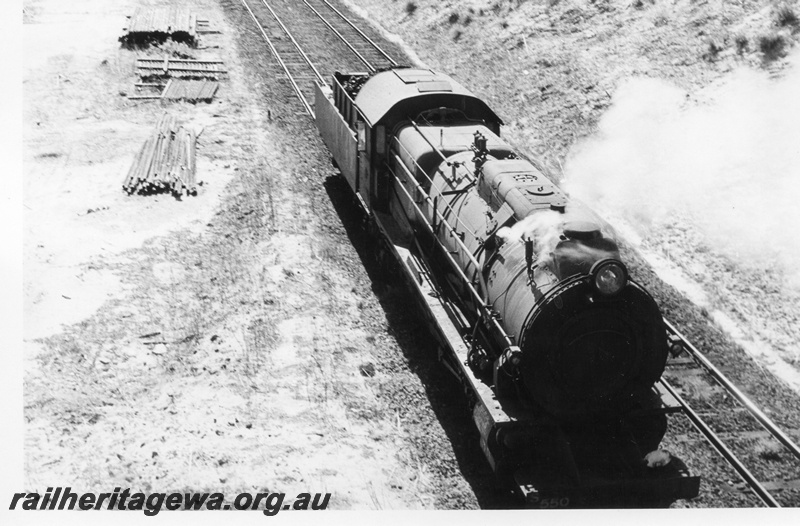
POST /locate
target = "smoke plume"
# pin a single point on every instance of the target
(729, 160)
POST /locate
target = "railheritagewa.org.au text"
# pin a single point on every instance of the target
(55, 499)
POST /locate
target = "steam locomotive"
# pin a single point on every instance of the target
(558, 349)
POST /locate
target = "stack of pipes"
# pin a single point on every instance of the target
(166, 161)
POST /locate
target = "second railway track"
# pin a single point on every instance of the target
(298, 32)
(761, 453)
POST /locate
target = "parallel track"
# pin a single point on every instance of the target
(302, 74)
(732, 393)
(295, 63)
(367, 51)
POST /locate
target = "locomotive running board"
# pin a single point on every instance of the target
(448, 324)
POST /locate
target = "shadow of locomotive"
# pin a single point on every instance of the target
(443, 391)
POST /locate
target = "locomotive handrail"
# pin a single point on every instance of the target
(425, 174)
(441, 154)
(453, 232)
(763, 419)
(480, 301)
(437, 150)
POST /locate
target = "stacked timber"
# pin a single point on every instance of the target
(161, 72)
(158, 24)
(166, 162)
(190, 90)
(150, 68)
(179, 89)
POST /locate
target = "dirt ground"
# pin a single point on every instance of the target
(261, 324)
(244, 339)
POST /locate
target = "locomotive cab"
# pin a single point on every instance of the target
(358, 126)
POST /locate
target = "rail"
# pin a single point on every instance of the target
(723, 450)
(347, 21)
(296, 49)
(715, 373)
(363, 35)
(296, 45)
(306, 104)
(770, 426)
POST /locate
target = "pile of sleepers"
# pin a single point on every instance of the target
(158, 24)
(190, 90)
(180, 89)
(159, 74)
(166, 162)
(151, 68)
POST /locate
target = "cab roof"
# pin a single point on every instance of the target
(412, 90)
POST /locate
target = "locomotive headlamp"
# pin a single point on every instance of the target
(675, 345)
(510, 360)
(514, 356)
(609, 276)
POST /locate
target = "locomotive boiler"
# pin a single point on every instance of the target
(558, 349)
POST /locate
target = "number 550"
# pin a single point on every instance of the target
(554, 502)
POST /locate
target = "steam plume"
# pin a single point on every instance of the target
(730, 162)
(543, 228)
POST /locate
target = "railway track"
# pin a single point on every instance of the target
(723, 416)
(765, 457)
(368, 52)
(279, 22)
